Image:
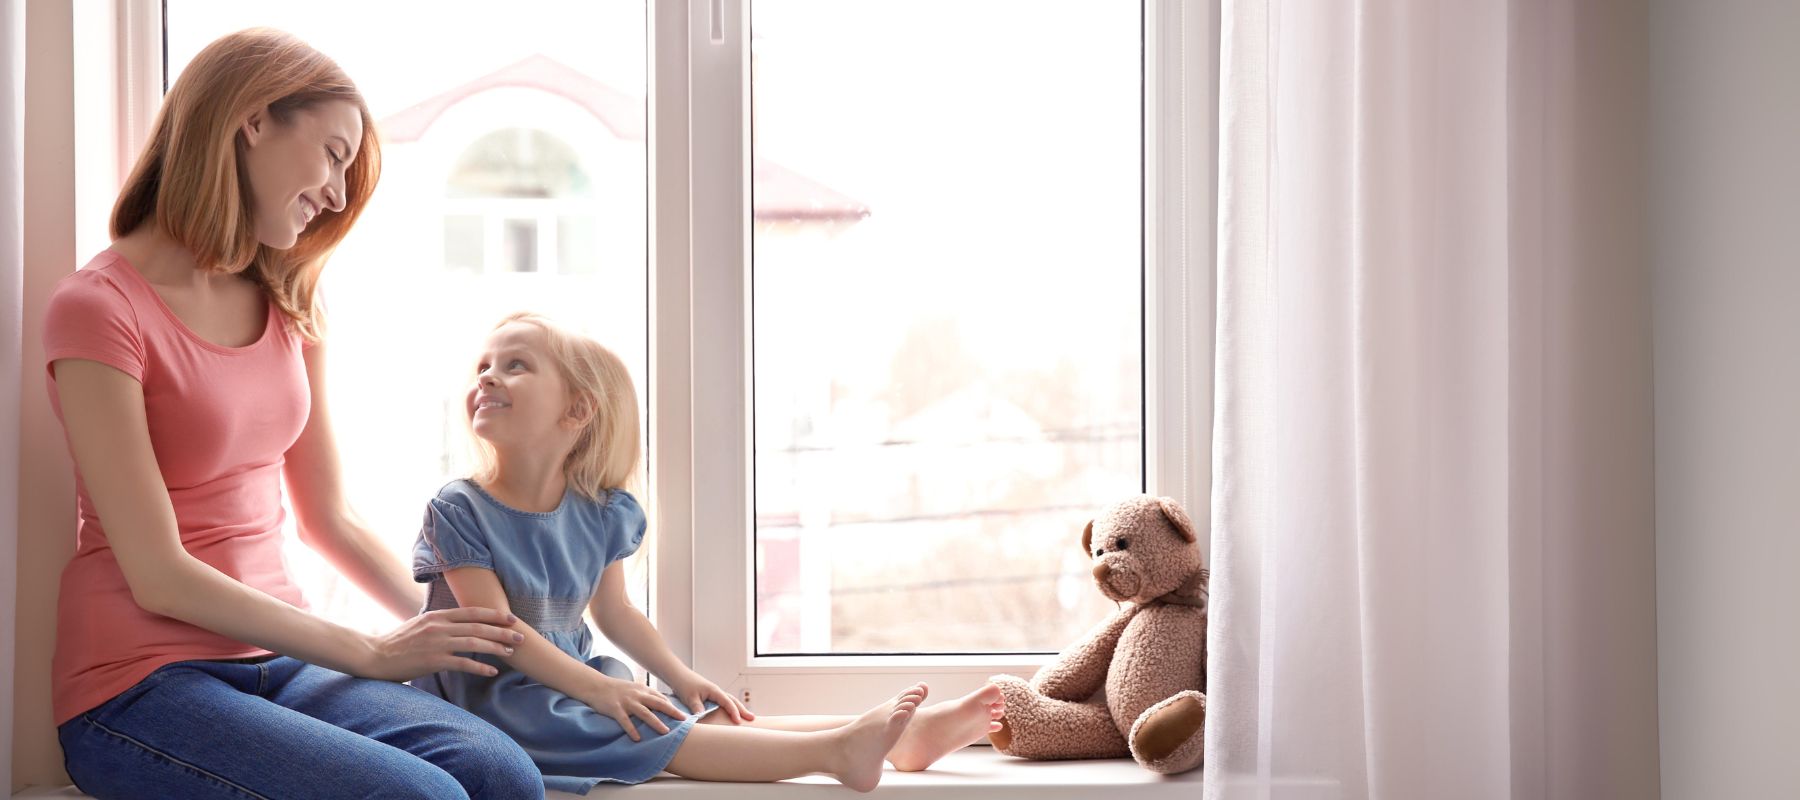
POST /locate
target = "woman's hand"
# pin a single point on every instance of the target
(431, 641)
(623, 700)
(695, 691)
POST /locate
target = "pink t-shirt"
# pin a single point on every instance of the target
(221, 420)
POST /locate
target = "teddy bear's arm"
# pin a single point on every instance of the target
(1080, 671)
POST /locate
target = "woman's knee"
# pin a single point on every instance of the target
(489, 765)
(107, 764)
(422, 782)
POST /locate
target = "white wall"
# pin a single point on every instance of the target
(46, 481)
(1725, 244)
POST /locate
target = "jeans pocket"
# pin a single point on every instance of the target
(123, 701)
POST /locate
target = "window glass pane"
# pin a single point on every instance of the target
(578, 245)
(518, 162)
(495, 120)
(947, 326)
(463, 242)
(518, 245)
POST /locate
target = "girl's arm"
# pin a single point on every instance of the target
(327, 523)
(548, 664)
(626, 626)
(103, 413)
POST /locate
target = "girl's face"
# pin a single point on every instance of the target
(296, 170)
(520, 399)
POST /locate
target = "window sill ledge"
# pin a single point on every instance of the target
(974, 772)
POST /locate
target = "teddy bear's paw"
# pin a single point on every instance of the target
(1013, 687)
(1017, 694)
(1002, 739)
(1169, 736)
(1039, 727)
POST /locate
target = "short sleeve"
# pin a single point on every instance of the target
(450, 538)
(89, 317)
(629, 525)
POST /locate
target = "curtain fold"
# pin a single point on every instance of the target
(12, 291)
(1433, 564)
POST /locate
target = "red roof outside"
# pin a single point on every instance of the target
(779, 193)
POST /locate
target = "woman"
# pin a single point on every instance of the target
(188, 373)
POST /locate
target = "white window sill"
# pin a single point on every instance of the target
(977, 773)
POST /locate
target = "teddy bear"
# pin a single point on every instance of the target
(1149, 656)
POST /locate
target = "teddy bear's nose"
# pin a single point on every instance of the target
(1102, 571)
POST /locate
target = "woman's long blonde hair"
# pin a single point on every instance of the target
(189, 180)
(608, 450)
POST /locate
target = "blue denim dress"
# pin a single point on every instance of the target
(549, 564)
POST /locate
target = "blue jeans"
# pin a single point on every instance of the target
(282, 728)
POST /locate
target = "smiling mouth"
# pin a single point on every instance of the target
(307, 211)
(491, 404)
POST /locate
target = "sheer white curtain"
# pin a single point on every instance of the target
(1433, 563)
(12, 288)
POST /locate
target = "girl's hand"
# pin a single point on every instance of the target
(623, 700)
(430, 642)
(695, 690)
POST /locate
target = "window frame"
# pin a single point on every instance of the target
(700, 393)
(701, 347)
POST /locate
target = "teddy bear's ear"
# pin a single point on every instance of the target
(1177, 517)
(1087, 540)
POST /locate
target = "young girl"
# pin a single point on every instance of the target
(540, 532)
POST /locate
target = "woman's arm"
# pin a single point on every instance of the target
(549, 665)
(324, 517)
(103, 412)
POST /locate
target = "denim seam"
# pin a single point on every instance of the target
(433, 569)
(171, 759)
(262, 678)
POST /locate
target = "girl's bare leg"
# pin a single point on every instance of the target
(851, 753)
(801, 723)
(936, 731)
(947, 727)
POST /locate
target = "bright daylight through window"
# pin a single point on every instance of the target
(947, 323)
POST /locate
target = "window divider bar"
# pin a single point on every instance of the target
(718, 152)
(670, 391)
(1180, 147)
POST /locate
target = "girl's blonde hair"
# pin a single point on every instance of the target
(189, 180)
(608, 449)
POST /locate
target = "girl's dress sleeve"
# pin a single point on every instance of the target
(449, 539)
(629, 526)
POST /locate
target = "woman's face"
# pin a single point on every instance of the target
(296, 169)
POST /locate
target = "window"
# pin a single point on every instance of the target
(921, 280)
(514, 177)
(939, 316)
(531, 188)
(945, 318)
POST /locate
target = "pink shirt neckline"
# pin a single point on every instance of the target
(269, 315)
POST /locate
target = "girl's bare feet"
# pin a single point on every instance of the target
(946, 727)
(866, 741)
